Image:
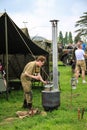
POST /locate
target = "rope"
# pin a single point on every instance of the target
(23, 39)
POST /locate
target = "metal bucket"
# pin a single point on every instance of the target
(48, 87)
(50, 100)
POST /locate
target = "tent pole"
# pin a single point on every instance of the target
(6, 44)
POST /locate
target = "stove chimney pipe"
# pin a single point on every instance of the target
(55, 53)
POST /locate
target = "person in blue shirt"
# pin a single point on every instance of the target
(83, 45)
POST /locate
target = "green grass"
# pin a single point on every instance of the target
(65, 118)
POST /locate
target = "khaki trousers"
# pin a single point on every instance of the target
(27, 91)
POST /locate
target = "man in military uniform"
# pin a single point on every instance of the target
(26, 79)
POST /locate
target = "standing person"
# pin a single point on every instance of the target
(2, 73)
(26, 79)
(73, 64)
(83, 46)
(80, 62)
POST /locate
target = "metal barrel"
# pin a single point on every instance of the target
(50, 99)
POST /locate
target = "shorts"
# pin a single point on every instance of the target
(80, 65)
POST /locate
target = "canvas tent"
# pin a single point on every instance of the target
(14, 43)
(15, 38)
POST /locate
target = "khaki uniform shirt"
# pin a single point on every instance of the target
(31, 69)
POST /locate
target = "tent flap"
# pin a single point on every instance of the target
(18, 42)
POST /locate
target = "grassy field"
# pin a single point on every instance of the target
(65, 118)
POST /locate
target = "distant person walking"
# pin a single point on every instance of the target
(80, 62)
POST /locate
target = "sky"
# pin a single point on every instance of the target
(36, 15)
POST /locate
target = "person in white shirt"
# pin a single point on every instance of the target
(80, 63)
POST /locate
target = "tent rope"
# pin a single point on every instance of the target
(23, 39)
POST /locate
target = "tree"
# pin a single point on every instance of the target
(60, 37)
(82, 25)
(77, 38)
(70, 40)
(66, 38)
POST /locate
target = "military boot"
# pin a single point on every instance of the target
(25, 104)
(29, 106)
